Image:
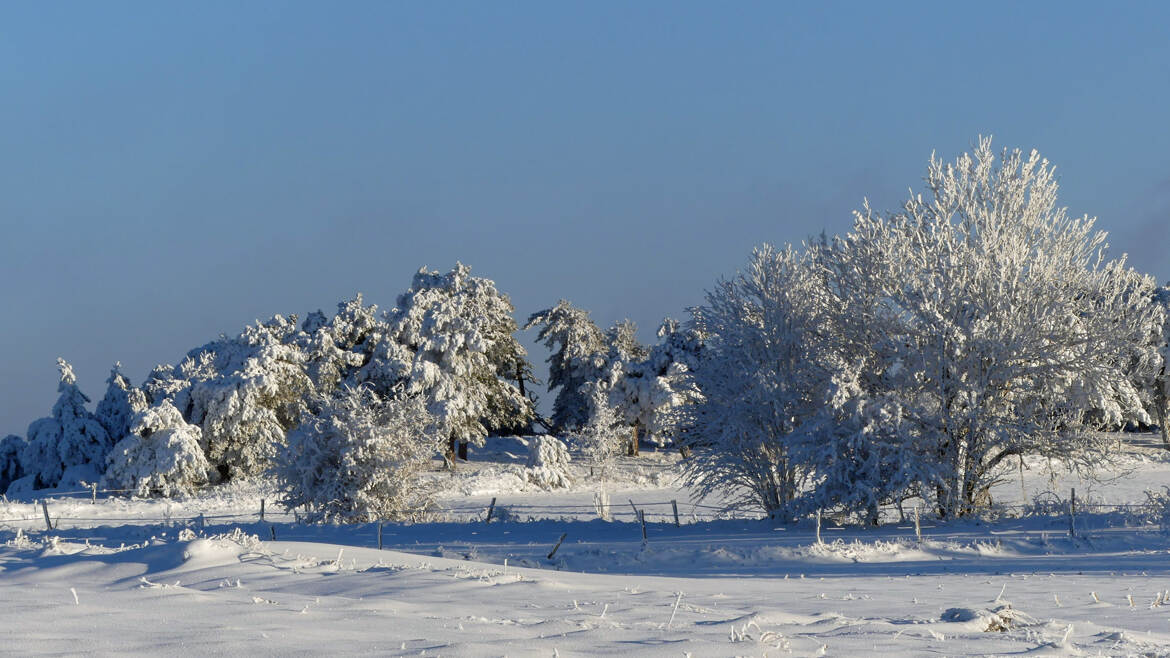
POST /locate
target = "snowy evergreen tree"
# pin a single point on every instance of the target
(579, 353)
(122, 401)
(11, 448)
(245, 394)
(162, 455)
(648, 393)
(337, 347)
(450, 339)
(70, 437)
(360, 458)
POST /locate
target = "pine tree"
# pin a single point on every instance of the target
(579, 353)
(122, 401)
(450, 340)
(70, 437)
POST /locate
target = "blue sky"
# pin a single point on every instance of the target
(172, 171)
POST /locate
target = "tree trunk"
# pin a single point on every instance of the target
(1160, 407)
(632, 447)
(463, 450)
(449, 455)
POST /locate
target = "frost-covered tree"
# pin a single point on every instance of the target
(11, 447)
(335, 348)
(122, 401)
(603, 435)
(859, 457)
(360, 458)
(245, 393)
(649, 393)
(1159, 384)
(994, 320)
(70, 437)
(450, 340)
(763, 382)
(601, 439)
(579, 353)
(162, 455)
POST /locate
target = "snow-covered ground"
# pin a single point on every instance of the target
(138, 576)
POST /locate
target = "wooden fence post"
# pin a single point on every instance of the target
(642, 518)
(491, 508)
(1072, 513)
(554, 550)
(674, 506)
(261, 510)
(93, 488)
(45, 507)
(819, 527)
(379, 535)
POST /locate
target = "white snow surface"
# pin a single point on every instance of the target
(142, 576)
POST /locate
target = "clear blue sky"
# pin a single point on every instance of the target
(172, 171)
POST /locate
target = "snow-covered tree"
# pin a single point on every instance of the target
(337, 347)
(603, 436)
(994, 320)
(601, 439)
(11, 447)
(450, 339)
(763, 382)
(1159, 385)
(860, 457)
(162, 455)
(648, 393)
(70, 437)
(578, 356)
(122, 401)
(360, 458)
(245, 393)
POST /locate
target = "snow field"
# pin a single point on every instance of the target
(136, 576)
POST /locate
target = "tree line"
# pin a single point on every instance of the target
(918, 355)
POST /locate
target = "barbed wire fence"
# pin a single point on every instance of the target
(1067, 516)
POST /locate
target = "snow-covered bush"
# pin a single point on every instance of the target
(1157, 508)
(161, 456)
(359, 459)
(548, 462)
(72, 436)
